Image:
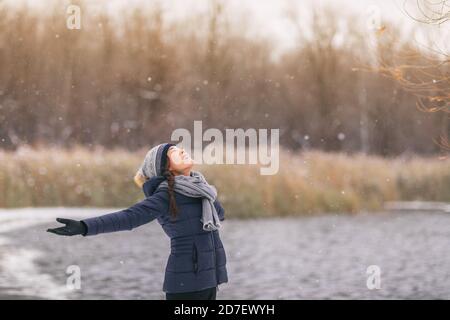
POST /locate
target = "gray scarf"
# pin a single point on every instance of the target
(196, 186)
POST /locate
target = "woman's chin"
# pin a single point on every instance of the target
(189, 166)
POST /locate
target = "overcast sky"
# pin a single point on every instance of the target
(268, 17)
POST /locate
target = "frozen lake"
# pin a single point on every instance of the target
(322, 257)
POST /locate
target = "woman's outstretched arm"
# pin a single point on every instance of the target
(141, 213)
(127, 219)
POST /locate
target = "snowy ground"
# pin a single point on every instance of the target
(323, 257)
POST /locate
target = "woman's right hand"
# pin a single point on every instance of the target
(71, 228)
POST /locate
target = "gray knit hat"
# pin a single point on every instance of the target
(155, 161)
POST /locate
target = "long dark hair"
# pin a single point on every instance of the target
(170, 177)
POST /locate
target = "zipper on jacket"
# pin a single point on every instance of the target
(195, 258)
(214, 252)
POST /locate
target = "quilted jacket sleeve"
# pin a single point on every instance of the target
(127, 219)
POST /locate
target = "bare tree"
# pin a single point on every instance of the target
(429, 79)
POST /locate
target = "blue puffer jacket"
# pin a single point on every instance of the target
(197, 259)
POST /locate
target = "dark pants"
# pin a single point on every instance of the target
(207, 294)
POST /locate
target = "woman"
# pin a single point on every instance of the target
(187, 208)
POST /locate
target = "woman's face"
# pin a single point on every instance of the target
(179, 160)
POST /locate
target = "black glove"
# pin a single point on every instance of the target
(72, 228)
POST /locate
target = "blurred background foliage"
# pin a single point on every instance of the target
(308, 183)
(79, 108)
(128, 80)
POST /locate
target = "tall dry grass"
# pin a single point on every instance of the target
(307, 183)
